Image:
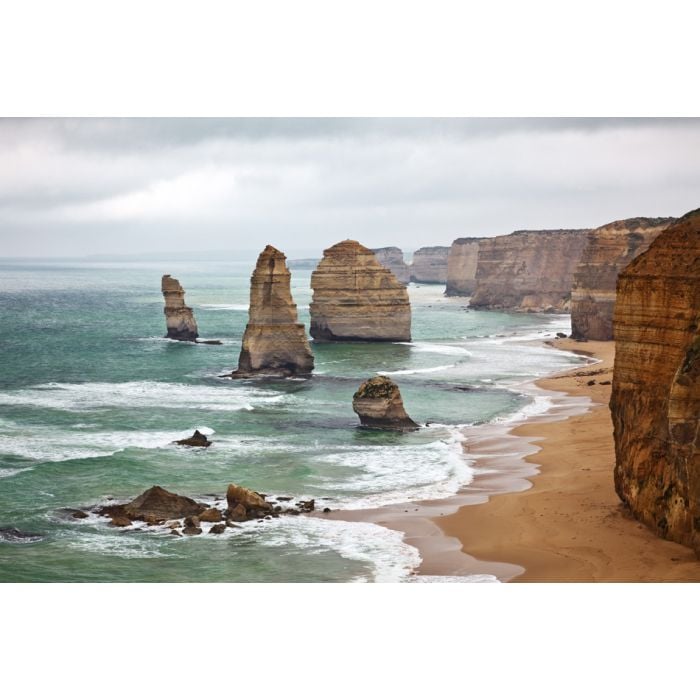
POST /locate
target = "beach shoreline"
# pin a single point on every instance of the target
(542, 506)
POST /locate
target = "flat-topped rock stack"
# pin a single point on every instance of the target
(655, 403)
(392, 258)
(430, 265)
(609, 250)
(274, 342)
(461, 267)
(528, 270)
(357, 298)
(179, 318)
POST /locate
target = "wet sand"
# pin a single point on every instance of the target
(542, 506)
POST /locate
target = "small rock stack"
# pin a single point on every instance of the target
(179, 318)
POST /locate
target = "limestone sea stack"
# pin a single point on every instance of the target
(655, 403)
(608, 251)
(461, 267)
(357, 298)
(378, 403)
(179, 318)
(528, 270)
(392, 257)
(430, 265)
(274, 342)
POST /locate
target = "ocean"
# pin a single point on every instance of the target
(92, 397)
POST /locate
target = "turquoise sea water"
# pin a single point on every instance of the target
(92, 397)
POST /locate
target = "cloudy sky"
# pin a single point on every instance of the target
(116, 186)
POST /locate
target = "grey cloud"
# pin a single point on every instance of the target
(77, 186)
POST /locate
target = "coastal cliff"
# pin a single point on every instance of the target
(608, 251)
(392, 258)
(528, 270)
(461, 267)
(274, 342)
(430, 265)
(179, 318)
(357, 298)
(655, 403)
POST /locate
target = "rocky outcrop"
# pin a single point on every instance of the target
(461, 267)
(378, 403)
(528, 270)
(179, 318)
(274, 342)
(154, 505)
(357, 298)
(13, 534)
(242, 498)
(608, 251)
(430, 265)
(392, 258)
(655, 401)
(197, 439)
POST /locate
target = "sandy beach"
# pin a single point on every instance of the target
(571, 526)
(542, 506)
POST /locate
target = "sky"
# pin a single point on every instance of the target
(130, 187)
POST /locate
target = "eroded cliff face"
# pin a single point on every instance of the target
(608, 251)
(528, 270)
(179, 318)
(392, 258)
(461, 267)
(274, 342)
(357, 298)
(430, 265)
(655, 403)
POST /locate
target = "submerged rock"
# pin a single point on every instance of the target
(179, 318)
(155, 505)
(274, 342)
(357, 298)
(196, 440)
(12, 534)
(655, 402)
(378, 404)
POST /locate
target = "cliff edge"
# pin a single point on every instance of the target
(655, 401)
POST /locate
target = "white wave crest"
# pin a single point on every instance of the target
(80, 397)
(383, 475)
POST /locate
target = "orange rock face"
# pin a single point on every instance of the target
(528, 270)
(356, 298)
(179, 318)
(655, 401)
(609, 250)
(274, 342)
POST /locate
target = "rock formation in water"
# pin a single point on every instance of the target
(608, 251)
(378, 404)
(156, 505)
(197, 439)
(179, 318)
(274, 342)
(655, 401)
(392, 258)
(430, 265)
(357, 298)
(528, 270)
(461, 267)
